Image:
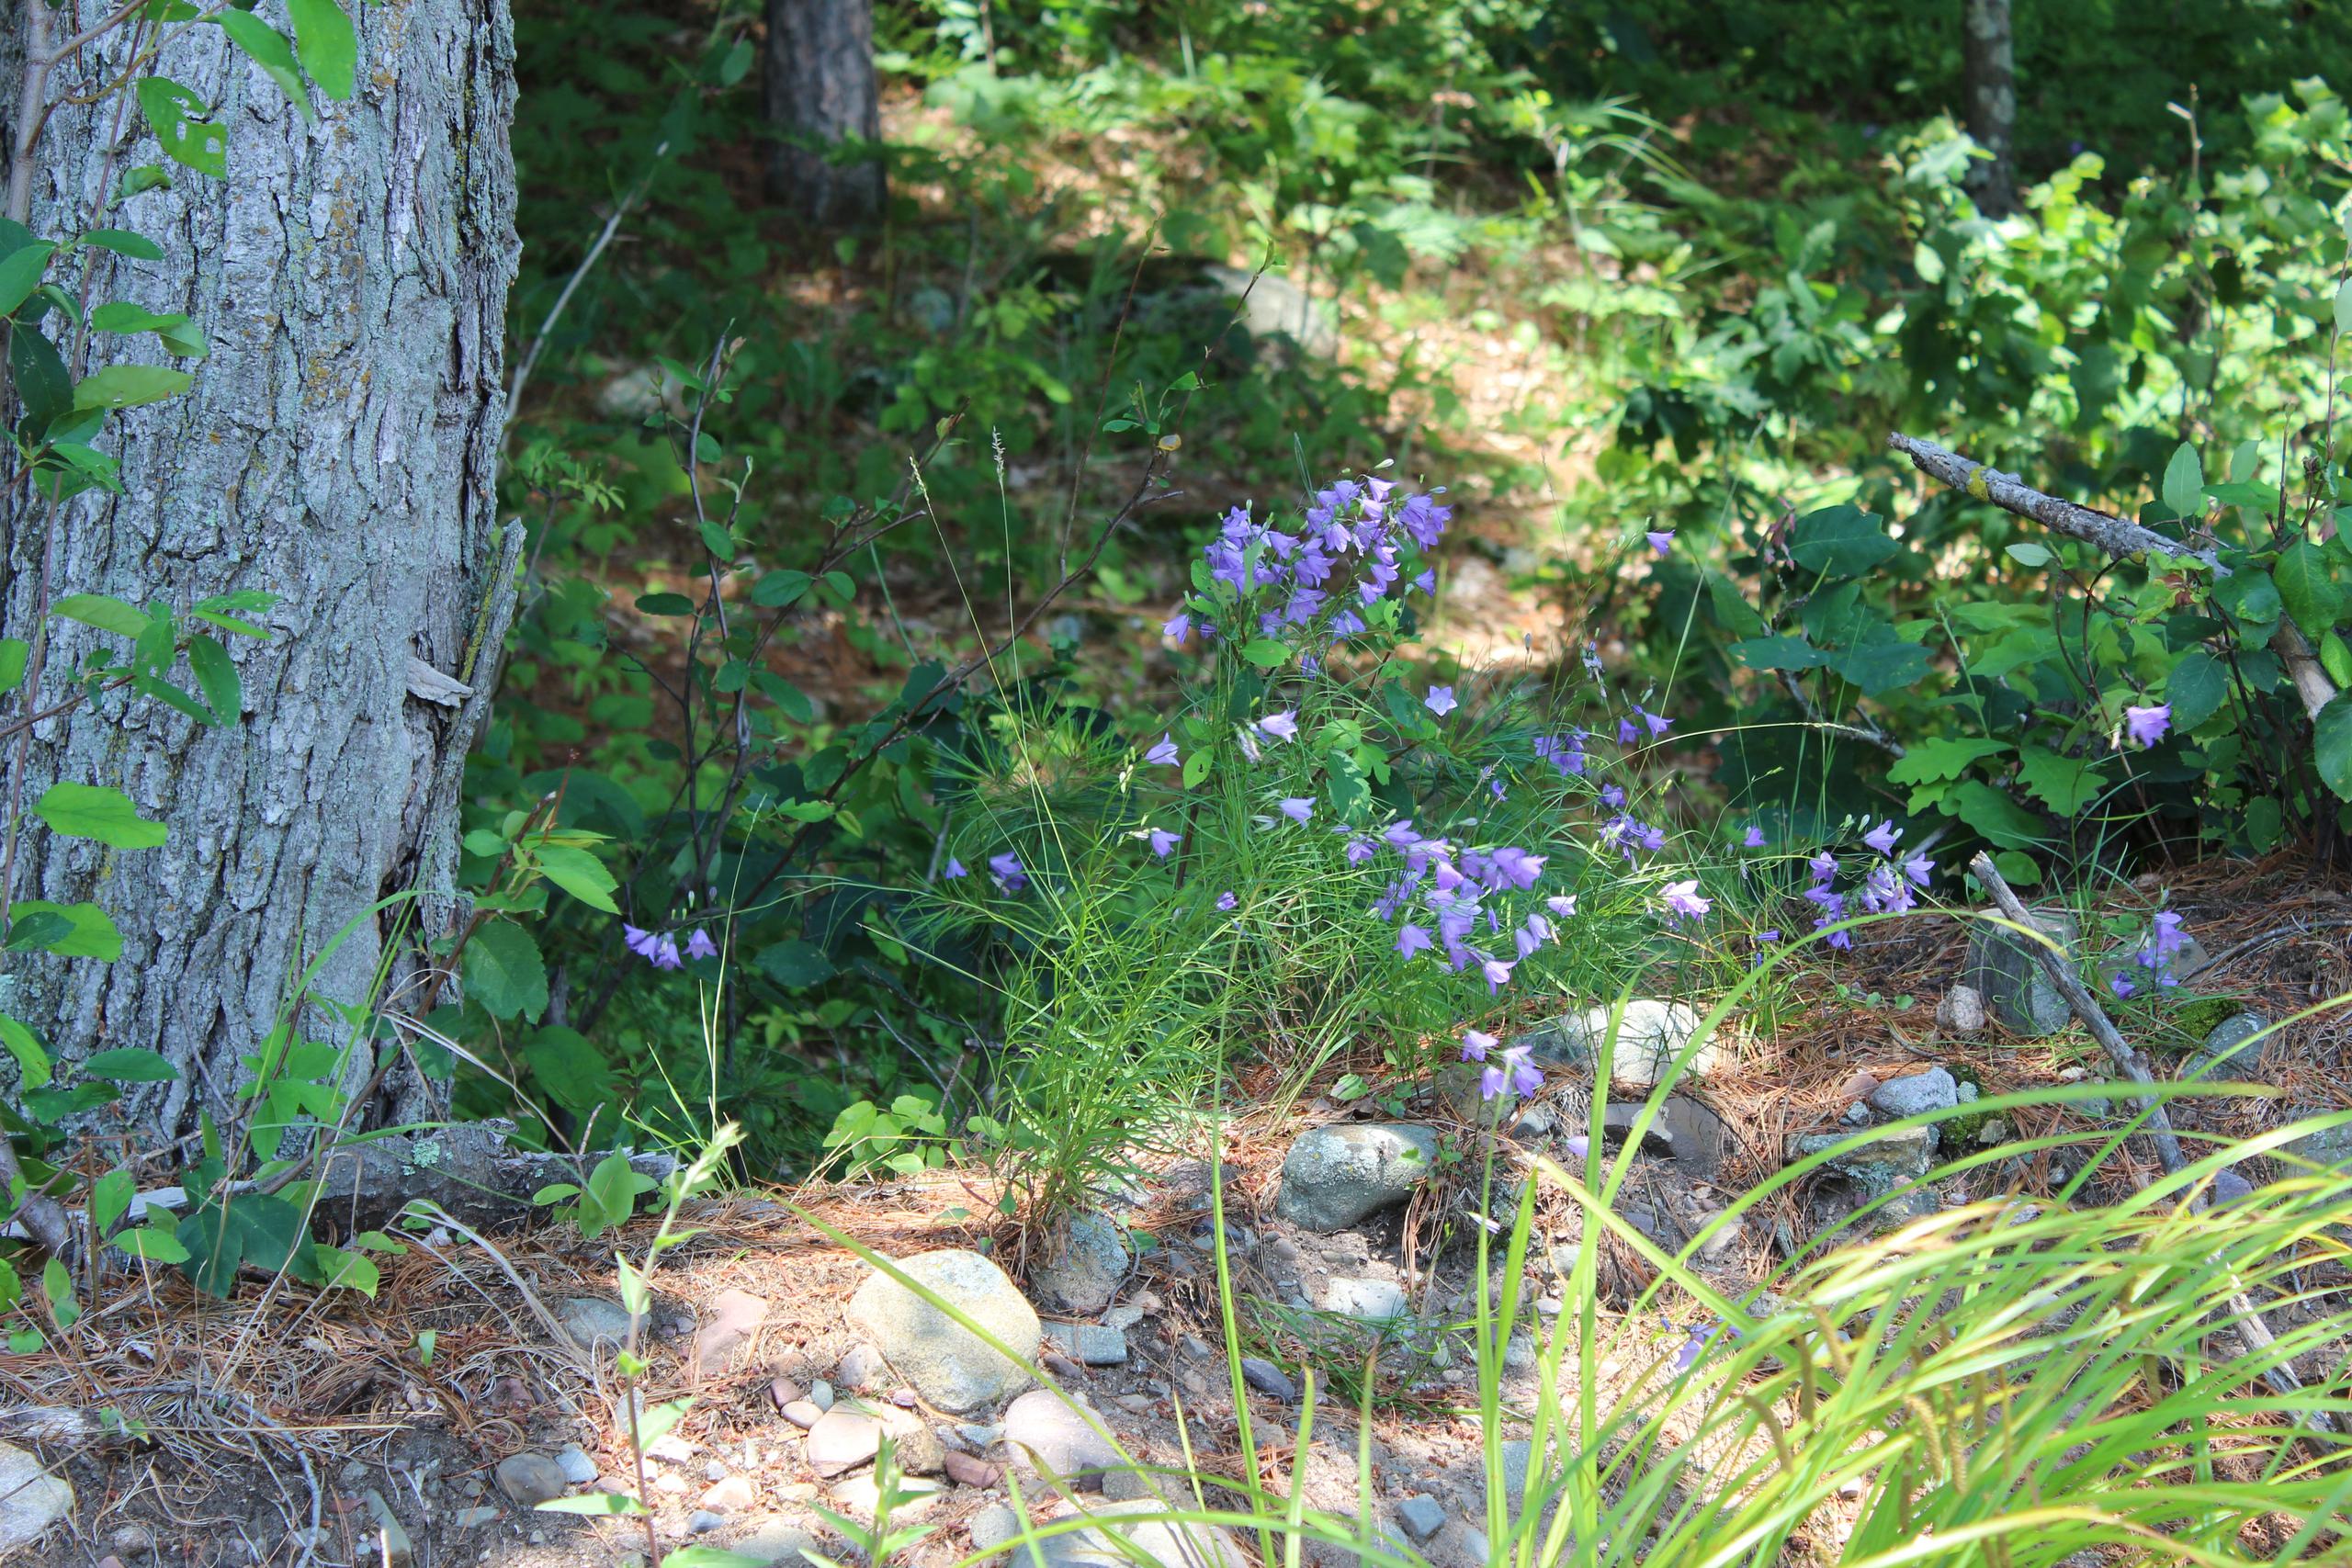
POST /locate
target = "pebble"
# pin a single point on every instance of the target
(702, 1521)
(821, 1394)
(981, 1438)
(1372, 1301)
(578, 1469)
(593, 1320)
(965, 1470)
(1266, 1378)
(735, 1495)
(1935, 1089)
(861, 1370)
(1961, 1010)
(1123, 1318)
(1086, 1262)
(782, 1391)
(1197, 1347)
(1061, 1366)
(474, 1518)
(391, 1544)
(531, 1479)
(1419, 1517)
(993, 1527)
(803, 1413)
(1095, 1345)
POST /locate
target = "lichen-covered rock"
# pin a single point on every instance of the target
(1086, 1261)
(1335, 1175)
(954, 1368)
(1876, 1163)
(1649, 1038)
(2002, 968)
(1961, 1010)
(1935, 1089)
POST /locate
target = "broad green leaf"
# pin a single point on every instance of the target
(1266, 653)
(123, 243)
(122, 316)
(2335, 657)
(358, 1272)
(91, 934)
(2332, 745)
(2306, 589)
(131, 386)
(170, 111)
(578, 872)
(2066, 785)
(110, 1198)
(2019, 867)
(42, 382)
(1778, 653)
(2197, 688)
(32, 1057)
(268, 48)
(567, 1066)
(2183, 489)
(504, 972)
(2252, 597)
(795, 964)
(153, 1243)
(2001, 820)
(57, 1284)
(2029, 554)
(1926, 762)
(172, 696)
(664, 604)
(14, 651)
(130, 1064)
(91, 811)
(36, 930)
(1839, 541)
(778, 590)
(1883, 662)
(328, 46)
(20, 274)
(216, 675)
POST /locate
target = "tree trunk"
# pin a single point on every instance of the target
(1988, 82)
(819, 88)
(338, 448)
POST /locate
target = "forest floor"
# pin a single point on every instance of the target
(282, 1427)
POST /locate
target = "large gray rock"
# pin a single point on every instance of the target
(2003, 970)
(1044, 1434)
(1649, 1037)
(31, 1500)
(1272, 306)
(1935, 1089)
(1877, 1163)
(467, 1167)
(1335, 1175)
(953, 1367)
(2230, 1053)
(1086, 1262)
(1169, 1546)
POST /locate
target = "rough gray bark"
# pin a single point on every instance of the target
(818, 88)
(1988, 85)
(338, 448)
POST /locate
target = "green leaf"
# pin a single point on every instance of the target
(216, 675)
(709, 1557)
(155, 1244)
(245, 1227)
(579, 873)
(567, 1066)
(130, 1064)
(1926, 762)
(2251, 596)
(779, 590)
(328, 46)
(2343, 306)
(664, 604)
(2019, 867)
(131, 386)
(268, 48)
(2335, 657)
(2183, 489)
(14, 651)
(2067, 784)
(1839, 541)
(93, 932)
(2306, 588)
(91, 811)
(2197, 688)
(1778, 653)
(2001, 820)
(1883, 660)
(110, 1197)
(504, 972)
(2332, 745)
(358, 1272)
(20, 274)
(170, 111)
(57, 1284)
(122, 316)
(32, 1057)
(32, 930)
(718, 541)
(172, 696)
(1266, 653)
(794, 965)
(123, 243)
(2029, 554)
(42, 380)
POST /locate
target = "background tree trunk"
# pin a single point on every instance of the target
(338, 449)
(818, 88)
(1988, 83)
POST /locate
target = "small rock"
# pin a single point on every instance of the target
(2329, 1148)
(803, 1414)
(1858, 1086)
(1373, 1300)
(473, 1518)
(2230, 1051)
(1877, 1165)
(955, 1369)
(1857, 1115)
(1961, 1011)
(591, 1320)
(860, 1495)
(982, 1438)
(842, 1439)
(1096, 1346)
(702, 1521)
(1268, 1379)
(993, 1527)
(578, 1469)
(1122, 1317)
(1650, 1037)
(390, 1543)
(531, 1479)
(735, 1318)
(1197, 1347)
(1046, 1434)
(861, 1371)
(1935, 1089)
(1333, 1176)
(133, 1539)
(778, 1538)
(782, 1391)
(670, 1449)
(2230, 1188)
(2004, 971)
(1170, 1546)
(1061, 1366)
(915, 1446)
(1086, 1262)
(821, 1394)
(967, 1470)
(1419, 1517)
(1534, 1124)
(1995, 1132)
(1618, 1122)
(735, 1494)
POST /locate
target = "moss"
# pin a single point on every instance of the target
(1960, 1127)
(2193, 1019)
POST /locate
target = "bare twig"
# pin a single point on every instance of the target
(522, 377)
(1870, 734)
(2060, 974)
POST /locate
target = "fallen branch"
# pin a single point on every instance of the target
(2108, 532)
(2060, 974)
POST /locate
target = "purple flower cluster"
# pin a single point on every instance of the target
(1887, 886)
(660, 949)
(1445, 895)
(1512, 1073)
(1347, 553)
(1565, 752)
(2166, 940)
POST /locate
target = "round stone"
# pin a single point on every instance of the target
(953, 1368)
